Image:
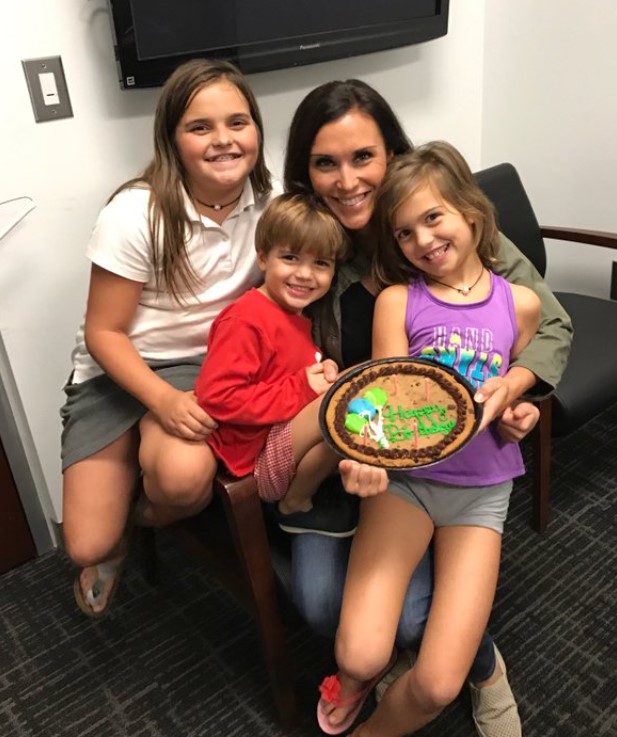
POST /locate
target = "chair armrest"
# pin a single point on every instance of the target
(240, 557)
(233, 489)
(591, 237)
(244, 512)
(256, 586)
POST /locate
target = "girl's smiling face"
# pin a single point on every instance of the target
(218, 142)
(435, 237)
(347, 165)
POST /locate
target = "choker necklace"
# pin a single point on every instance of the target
(461, 290)
(217, 207)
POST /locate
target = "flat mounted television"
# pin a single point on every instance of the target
(152, 37)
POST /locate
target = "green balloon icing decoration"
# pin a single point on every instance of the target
(377, 396)
(355, 423)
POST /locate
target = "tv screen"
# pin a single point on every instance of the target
(153, 37)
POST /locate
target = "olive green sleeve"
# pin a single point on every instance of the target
(547, 354)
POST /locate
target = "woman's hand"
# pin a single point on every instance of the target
(516, 422)
(180, 415)
(361, 479)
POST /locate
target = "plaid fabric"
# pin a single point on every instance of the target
(275, 466)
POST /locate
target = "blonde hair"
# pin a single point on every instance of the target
(165, 176)
(301, 222)
(441, 166)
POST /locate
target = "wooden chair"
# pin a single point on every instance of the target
(589, 383)
(231, 539)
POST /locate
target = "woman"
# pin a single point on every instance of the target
(341, 139)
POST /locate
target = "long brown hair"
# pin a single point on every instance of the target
(165, 176)
(438, 164)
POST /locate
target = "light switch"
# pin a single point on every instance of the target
(47, 87)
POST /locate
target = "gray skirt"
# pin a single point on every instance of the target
(98, 411)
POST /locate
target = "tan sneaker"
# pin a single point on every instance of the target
(494, 708)
(404, 662)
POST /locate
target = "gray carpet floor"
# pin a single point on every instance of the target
(181, 659)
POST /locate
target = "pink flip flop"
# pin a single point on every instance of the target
(330, 690)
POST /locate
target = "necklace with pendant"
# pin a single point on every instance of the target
(461, 290)
(217, 207)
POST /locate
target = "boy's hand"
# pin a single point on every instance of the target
(330, 370)
(518, 421)
(320, 376)
(361, 479)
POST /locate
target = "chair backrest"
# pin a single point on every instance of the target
(516, 218)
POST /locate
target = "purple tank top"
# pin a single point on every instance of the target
(476, 340)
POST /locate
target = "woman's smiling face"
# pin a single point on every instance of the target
(347, 165)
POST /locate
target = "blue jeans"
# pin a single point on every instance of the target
(318, 569)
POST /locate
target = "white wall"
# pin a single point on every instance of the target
(69, 167)
(550, 107)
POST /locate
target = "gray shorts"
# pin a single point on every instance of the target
(97, 411)
(447, 506)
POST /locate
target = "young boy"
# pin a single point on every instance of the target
(263, 377)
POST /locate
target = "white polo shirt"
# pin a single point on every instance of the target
(222, 256)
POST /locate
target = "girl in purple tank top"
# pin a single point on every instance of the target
(442, 301)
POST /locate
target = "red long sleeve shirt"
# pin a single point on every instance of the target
(254, 376)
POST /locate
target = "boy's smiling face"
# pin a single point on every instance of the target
(295, 280)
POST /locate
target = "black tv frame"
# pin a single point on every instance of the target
(137, 73)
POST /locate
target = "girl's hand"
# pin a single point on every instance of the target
(321, 375)
(180, 415)
(516, 422)
(361, 479)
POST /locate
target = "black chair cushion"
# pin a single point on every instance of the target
(589, 383)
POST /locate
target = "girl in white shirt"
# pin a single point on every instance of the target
(169, 251)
